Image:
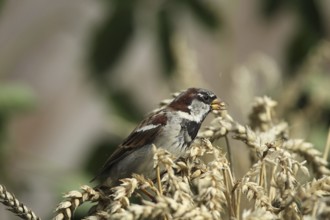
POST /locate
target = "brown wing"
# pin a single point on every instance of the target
(138, 138)
(133, 141)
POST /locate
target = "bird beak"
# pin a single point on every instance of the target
(218, 105)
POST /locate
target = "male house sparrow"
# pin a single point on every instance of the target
(173, 128)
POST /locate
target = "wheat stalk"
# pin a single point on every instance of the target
(15, 206)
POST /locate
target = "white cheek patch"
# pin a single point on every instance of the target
(198, 111)
(186, 115)
(147, 127)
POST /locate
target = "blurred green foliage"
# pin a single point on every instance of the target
(204, 14)
(103, 149)
(165, 31)
(1, 3)
(13, 99)
(125, 105)
(119, 27)
(111, 39)
(310, 30)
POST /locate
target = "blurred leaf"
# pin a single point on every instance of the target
(318, 133)
(112, 38)
(102, 150)
(204, 13)
(3, 139)
(303, 100)
(317, 87)
(125, 105)
(308, 34)
(15, 98)
(308, 11)
(1, 4)
(310, 15)
(325, 117)
(165, 32)
(299, 46)
(269, 8)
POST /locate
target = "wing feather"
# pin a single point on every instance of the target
(138, 138)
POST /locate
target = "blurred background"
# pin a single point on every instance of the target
(76, 76)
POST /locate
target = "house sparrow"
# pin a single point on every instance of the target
(173, 128)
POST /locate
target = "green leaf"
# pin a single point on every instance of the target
(204, 13)
(1, 4)
(165, 32)
(15, 98)
(125, 105)
(299, 46)
(112, 38)
(310, 15)
(102, 149)
(269, 8)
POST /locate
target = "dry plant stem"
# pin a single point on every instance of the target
(227, 194)
(229, 182)
(160, 189)
(231, 179)
(145, 192)
(327, 147)
(314, 211)
(229, 155)
(263, 176)
(272, 189)
(238, 203)
(15, 206)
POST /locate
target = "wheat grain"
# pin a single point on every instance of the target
(74, 199)
(15, 206)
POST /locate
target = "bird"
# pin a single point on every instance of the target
(173, 128)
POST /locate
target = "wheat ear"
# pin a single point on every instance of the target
(73, 200)
(15, 206)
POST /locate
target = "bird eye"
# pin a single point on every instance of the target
(206, 98)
